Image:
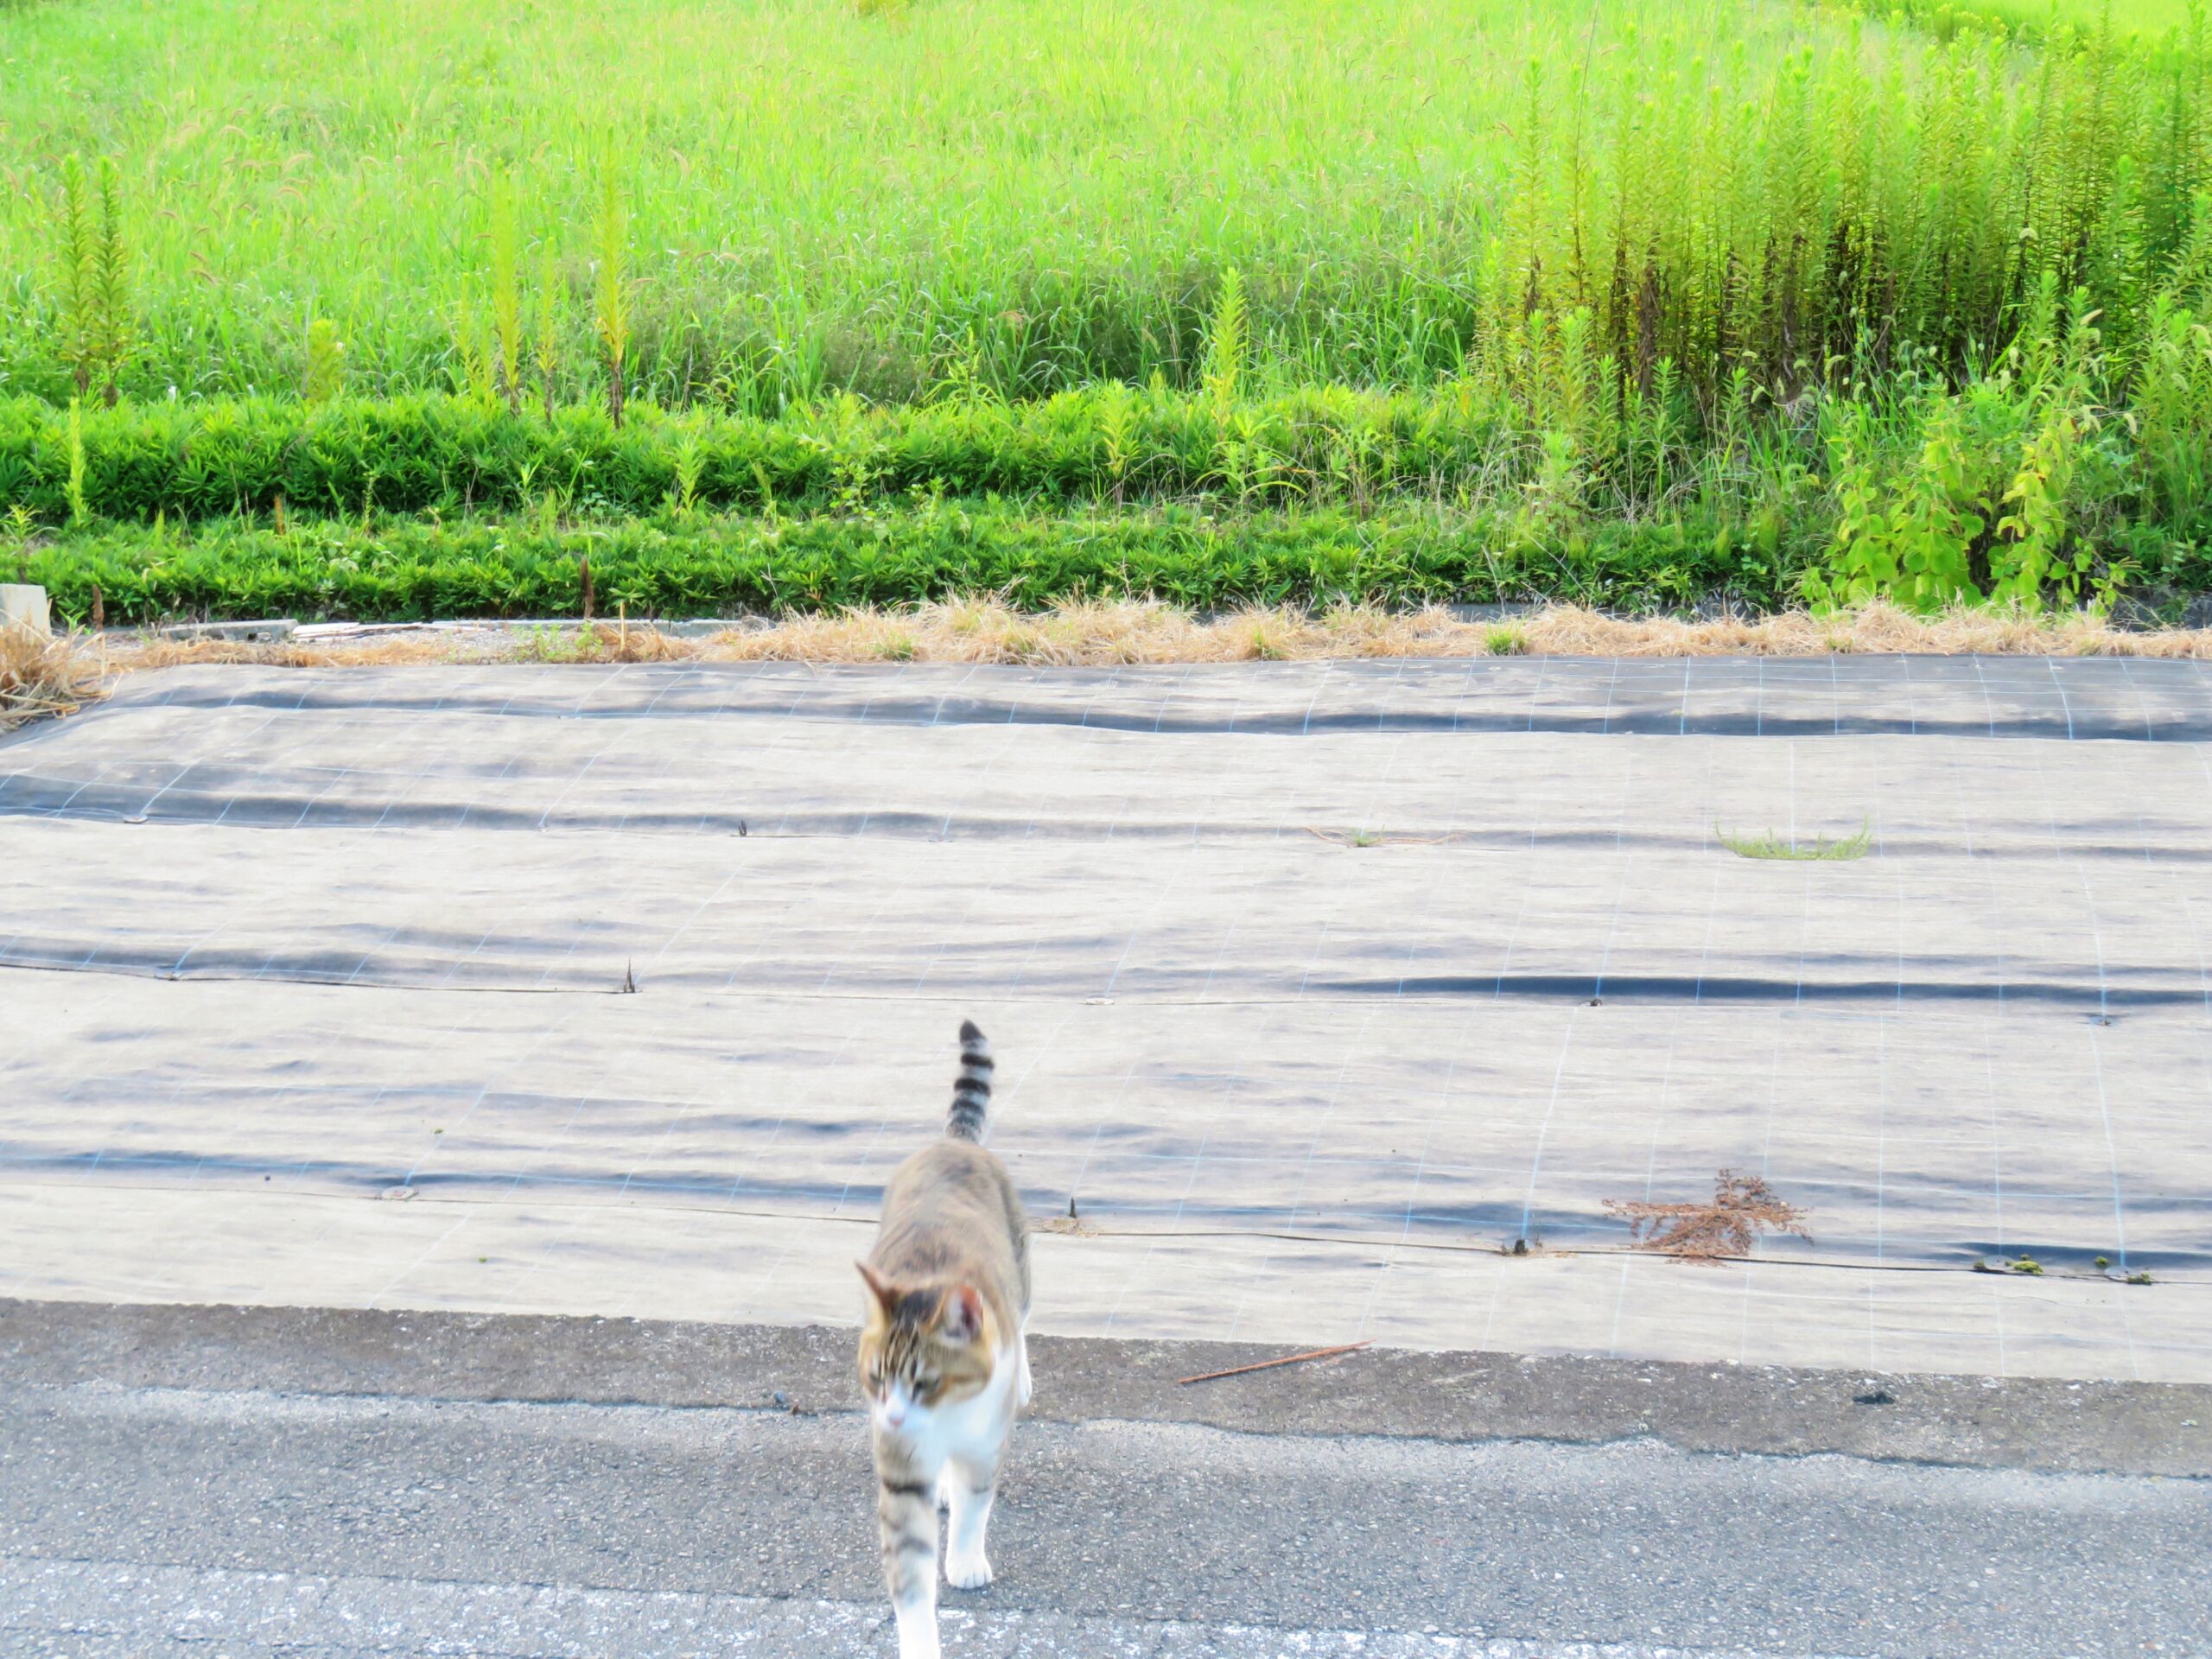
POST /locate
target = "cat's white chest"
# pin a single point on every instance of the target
(966, 1427)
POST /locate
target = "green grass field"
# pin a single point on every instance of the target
(2149, 18)
(1721, 260)
(816, 197)
(1044, 194)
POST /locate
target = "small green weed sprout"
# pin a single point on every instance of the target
(1261, 643)
(1771, 845)
(550, 643)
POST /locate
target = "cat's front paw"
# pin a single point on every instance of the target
(967, 1571)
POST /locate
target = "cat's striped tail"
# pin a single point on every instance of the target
(971, 1093)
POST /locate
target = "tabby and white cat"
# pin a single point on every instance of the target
(942, 1359)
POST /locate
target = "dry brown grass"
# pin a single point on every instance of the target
(43, 676)
(1098, 634)
(1720, 1228)
(987, 632)
(151, 651)
(1086, 634)
(601, 643)
(1875, 629)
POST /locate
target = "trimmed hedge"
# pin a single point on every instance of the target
(455, 455)
(405, 569)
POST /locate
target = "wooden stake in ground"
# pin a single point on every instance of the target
(1268, 1364)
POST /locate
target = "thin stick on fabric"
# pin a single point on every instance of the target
(1264, 1364)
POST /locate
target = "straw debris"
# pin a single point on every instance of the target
(1725, 1227)
(43, 676)
(1111, 633)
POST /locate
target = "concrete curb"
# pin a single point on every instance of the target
(2040, 1423)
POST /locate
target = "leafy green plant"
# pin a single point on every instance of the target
(506, 297)
(324, 375)
(2034, 550)
(1910, 538)
(611, 241)
(1116, 435)
(689, 462)
(1225, 344)
(2005, 494)
(79, 511)
(547, 342)
(112, 285)
(77, 256)
(473, 347)
(2173, 412)
(2034, 534)
(98, 329)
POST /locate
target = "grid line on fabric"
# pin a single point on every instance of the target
(1200, 1169)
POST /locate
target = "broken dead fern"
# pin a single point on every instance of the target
(1724, 1227)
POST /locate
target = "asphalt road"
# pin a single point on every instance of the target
(230, 1517)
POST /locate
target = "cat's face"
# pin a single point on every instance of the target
(922, 1351)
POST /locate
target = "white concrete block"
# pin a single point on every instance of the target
(24, 604)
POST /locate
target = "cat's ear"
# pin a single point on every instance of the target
(962, 1318)
(879, 1287)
